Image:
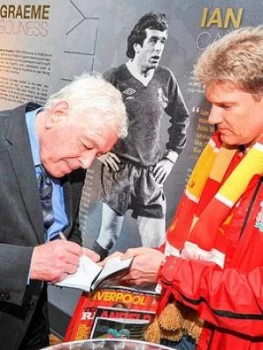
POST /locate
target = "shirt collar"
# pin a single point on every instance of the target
(144, 80)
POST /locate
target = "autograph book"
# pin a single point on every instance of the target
(90, 274)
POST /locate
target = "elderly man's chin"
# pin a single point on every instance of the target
(62, 172)
(57, 171)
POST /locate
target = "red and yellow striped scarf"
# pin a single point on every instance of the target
(218, 181)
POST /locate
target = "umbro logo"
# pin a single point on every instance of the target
(129, 91)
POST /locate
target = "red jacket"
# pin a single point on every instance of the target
(230, 300)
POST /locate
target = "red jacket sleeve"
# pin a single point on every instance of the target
(226, 298)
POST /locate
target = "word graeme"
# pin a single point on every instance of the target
(25, 11)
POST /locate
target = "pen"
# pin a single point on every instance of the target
(62, 236)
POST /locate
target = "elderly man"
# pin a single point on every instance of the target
(212, 268)
(136, 169)
(44, 152)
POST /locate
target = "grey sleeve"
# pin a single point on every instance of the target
(179, 117)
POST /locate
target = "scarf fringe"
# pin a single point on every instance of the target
(173, 323)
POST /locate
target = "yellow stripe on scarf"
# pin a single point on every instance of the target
(201, 171)
(222, 162)
(238, 181)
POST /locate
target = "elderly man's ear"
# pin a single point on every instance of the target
(57, 113)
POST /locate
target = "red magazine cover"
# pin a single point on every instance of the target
(140, 304)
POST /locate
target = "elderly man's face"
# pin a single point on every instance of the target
(150, 53)
(73, 143)
(238, 116)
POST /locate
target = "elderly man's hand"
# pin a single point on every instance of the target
(145, 265)
(54, 260)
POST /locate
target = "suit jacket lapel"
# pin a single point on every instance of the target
(21, 158)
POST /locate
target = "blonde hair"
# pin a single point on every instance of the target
(237, 58)
(91, 91)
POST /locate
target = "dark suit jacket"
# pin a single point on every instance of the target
(21, 225)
